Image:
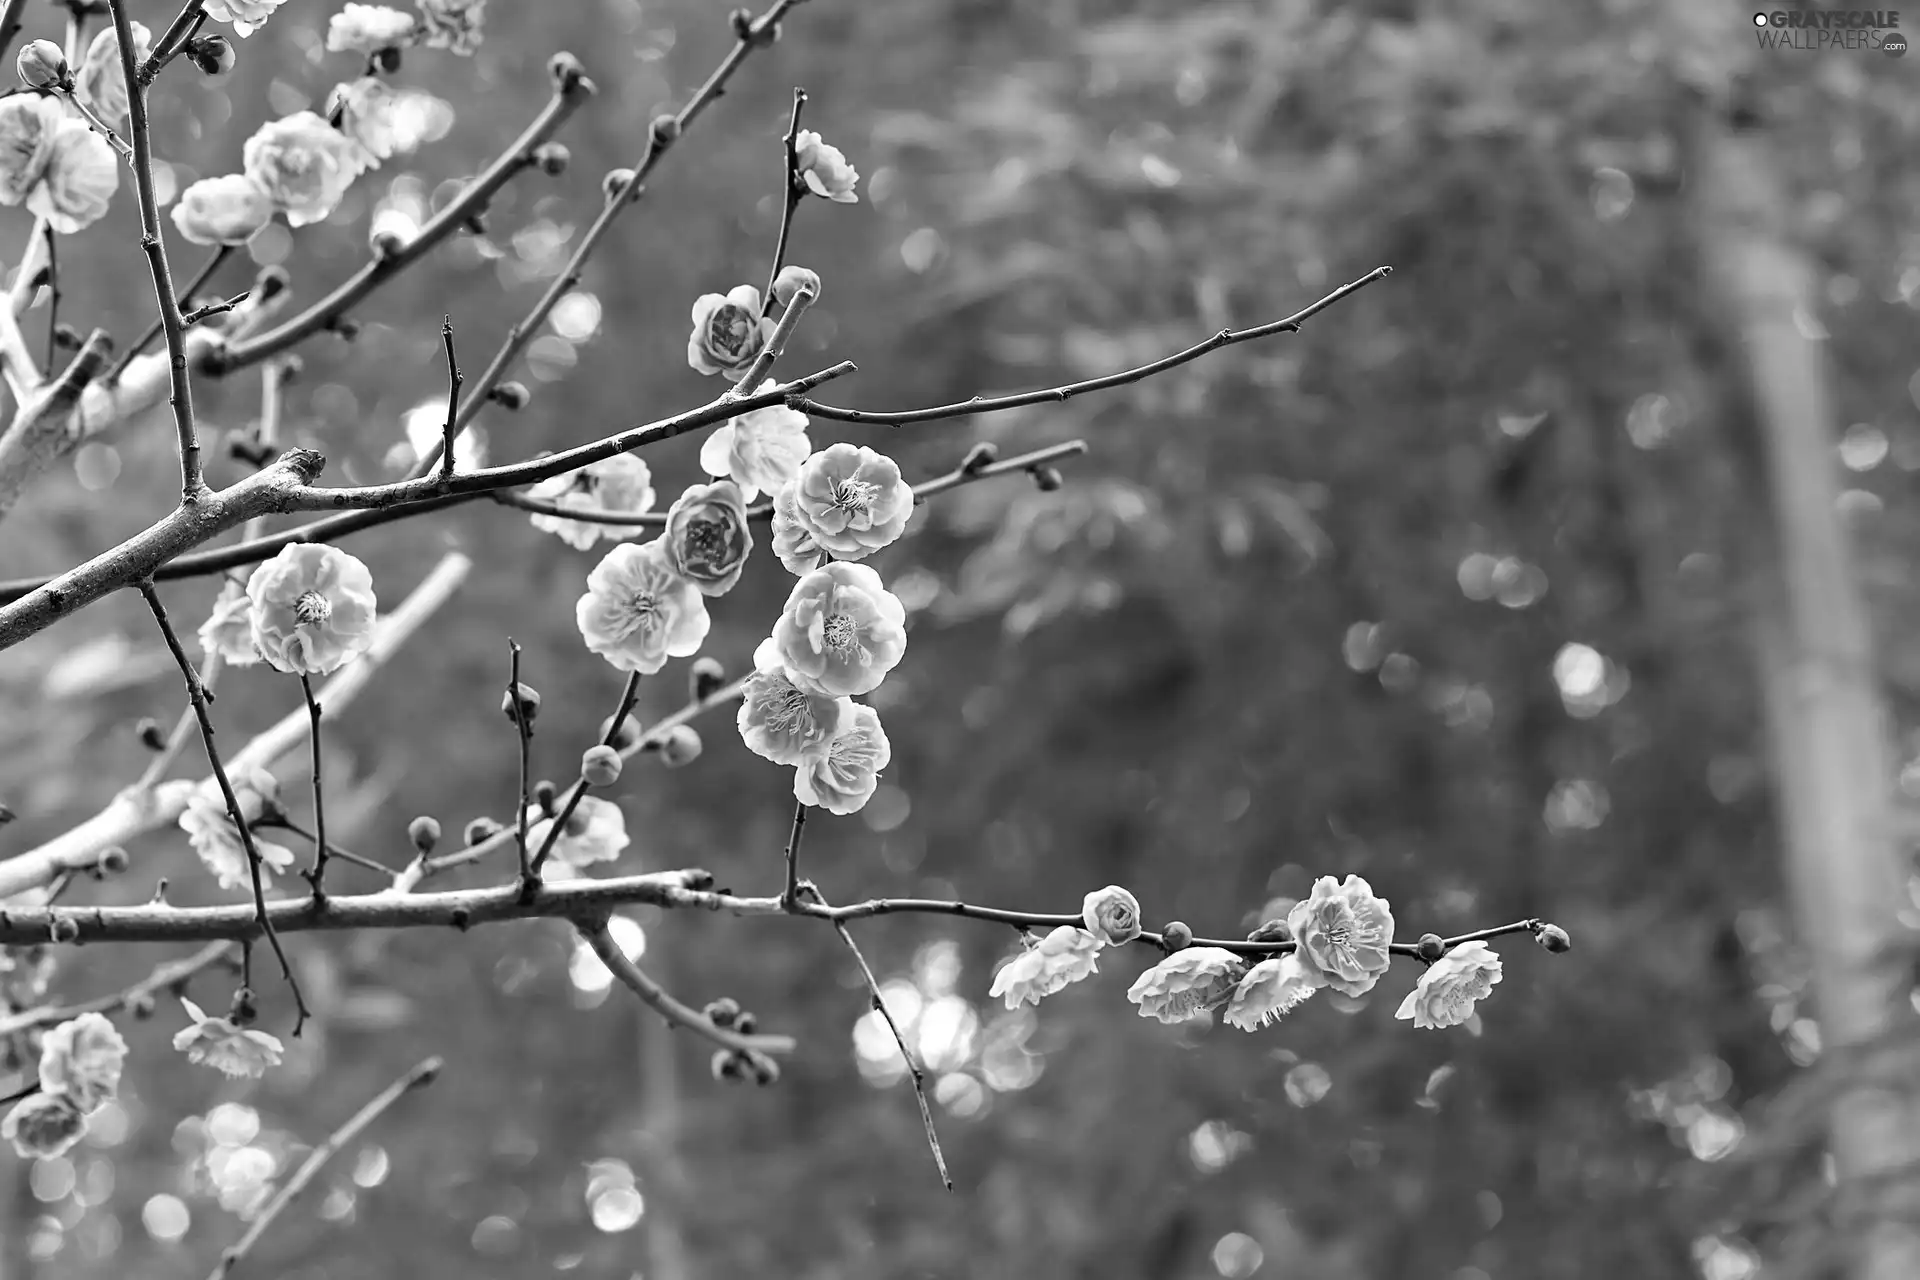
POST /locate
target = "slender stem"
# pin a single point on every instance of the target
(145, 340)
(170, 975)
(656, 996)
(53, 296)
(794, 190)
(10, 13)
(422, 1074)
(334, 851)
(99, 126)
(198, 695)
(185, 25)
(193, 485)
(529, 870)
(776, 342)
(454, 380)
(317, 877)
(629, 695)
(792, 891)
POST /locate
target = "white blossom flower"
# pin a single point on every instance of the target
(452, 24)
(779, 720)
(1111, 915)
(247, 16)
(1063, 957)
(63, 170)
(851, 500)
(369, 28)
(622, 483)
(638, 612)
(365, 109)
(1272, 989)
(841, 630)
(707, 538)
(27, 125)
(793, 545)
(728, 332)
(82, 1058)
(224, 210)
(1344, 932)
(211, 832)
(761, 450)
(842, 778)
(304, 165)
(313, 608)
(1451, 986)
(229, 1049)
(1187, 983)
(596, 831)
(228, 630)
(100, 81)
(44, 1125)
(824, 169)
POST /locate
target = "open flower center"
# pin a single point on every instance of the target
(790, 711)
(643, 612)
(312, 608)
(711, 545)
(843, 635)
(855, 496)
(728, 329)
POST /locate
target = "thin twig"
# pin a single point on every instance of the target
(793, 190)
(99, 126)
(776, 341)
(792, 892)
(173, 974)
(185, 25)
(212, 309)
(334, 851)
(629, 695)
(198, 696)
(53, 297)
(10, 24)
(523, 729)
(453, 400)
(601, 940)
(421, 1075)
(153, 329)
(318, 876)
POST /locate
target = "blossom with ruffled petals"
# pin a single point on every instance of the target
(82, 1058)
(841, 630)
(851, 500)
(707, 537)
(761, 450)
(232, 1050)
(1344, 932)
(313, 608)
(1451, 986)
(27, 125)
(247, 16)
(638, 612)
(224, 210)
(100, 82)
(793, 544)
(304, 165)
(365, 109)
(452, 24)
(728, 332)
(1272, 989)
(622, 483)
(1063, 957)
(842, 778)
(228, 630)
(824, 169)
(210, 830)
(779, 720)
(369, 28)
(596, 831)
(1111, 915)
(44, 1125)
(1187, 983)
(78, 177)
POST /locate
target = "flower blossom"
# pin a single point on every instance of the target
(1344, 932)
(100, 81)
(728, 332)
(842, 778)
(227, 1048)
(313, 609)
(1451, 986)
(225, 210)
(1063, 957)
(1272, 989)
(44, 1125)
(793, 545)
(452, 24)
(366, 112)
(841, 630)
(211, 832)
(596, 831)
(1187, 983)
(638, 612)
(622, 483)
(851, 500)
(824, 169)
(247, 16)
(707, 539)
(368, 28)
(82, 1058)
(303, 164)
(779, 720)
(761, 449)
(228, 630)
(65, 172)
(1111, 915)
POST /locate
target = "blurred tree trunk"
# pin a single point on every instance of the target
(1846, 870)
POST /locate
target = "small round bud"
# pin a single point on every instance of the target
(424, 832)
(476, 223)
(384, 61)
(346, 327)
(746, 1024)
(552, 158)
(741, 20)
(567, 72)
(113, 860)
(480, 830)
(249, 449)
(722, 1012)
(142, 1006)
(766, 1070)
(681, 748)
(512, 396)
(705, 678)
(6, 815)
(666, 130)
(214, 55)
(66, 337)
(984, 454)
(543, 795)
(529, 703)
(791, 281)
(270, 282)
(64, 929)
(291, 367)
(151, 735)
(1553, 938)
(1271, 931)
(615, 182)
(1176, 936)
(243, 1009)
(1046, 479)
(386, 243)
(600, 766)
(42, 65)
(1432, 947)
(624, 737)
(727, 1066)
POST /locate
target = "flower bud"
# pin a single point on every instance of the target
(386, 243)
(424, 832)
(722, 1012)
(1271, 931)
(152, 737)
(726, 1065)
(480, 830)
(1046, 479)
(984, 454)
(567, 72)
(64, 929)
(291, 367)
(552, 158)
(249, 449)
(66, 337)
(544, 793)
(705, 678)
(746, 1024)
(1553, 938)
(214, 54)
(791, 281)
(1111, 915)
(142, 1006)
(346, 327)
(600, 766)
(243, 1009)
(6, 815)
(42, 65)
(512, 396)
(616, 181)
(741, 20)
(625, 736)
(113, 860)
(765, 1070)
(666, 130)
(681, 748)
(386, 61)
(529, 704)
(270, 282)
(1176, 936)
(1432, 947)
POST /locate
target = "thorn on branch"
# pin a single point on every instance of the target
(214, 308)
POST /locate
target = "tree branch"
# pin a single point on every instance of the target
(167, 976)
(656, 997)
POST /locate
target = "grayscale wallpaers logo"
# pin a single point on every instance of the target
(1827, 29)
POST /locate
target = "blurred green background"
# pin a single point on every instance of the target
(1449, 590)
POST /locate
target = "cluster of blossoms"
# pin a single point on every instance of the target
(1340, 937)
(80, 1064)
